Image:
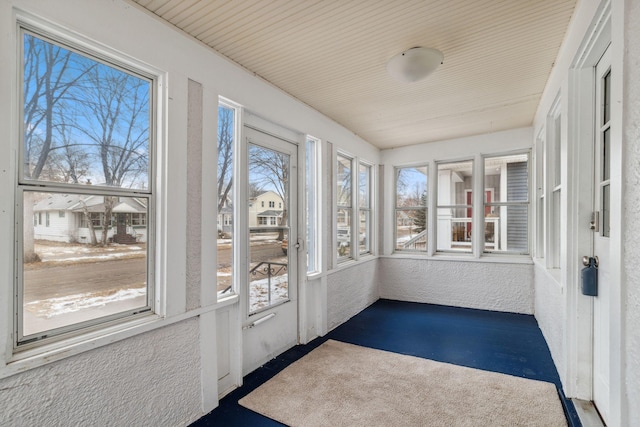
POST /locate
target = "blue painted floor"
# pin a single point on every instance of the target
(499, 342)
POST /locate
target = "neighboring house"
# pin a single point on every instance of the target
(64, 218)
(225, 217)
(265, 210)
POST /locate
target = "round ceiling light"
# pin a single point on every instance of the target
(414, 64)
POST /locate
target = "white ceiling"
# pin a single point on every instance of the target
(332, 54)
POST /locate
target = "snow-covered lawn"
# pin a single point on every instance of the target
(77, 252)
(259, 291)
(51, 307)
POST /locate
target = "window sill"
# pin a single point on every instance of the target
(24, 360)
(486, 258)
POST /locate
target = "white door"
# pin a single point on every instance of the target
(601, 303)
(270, 309)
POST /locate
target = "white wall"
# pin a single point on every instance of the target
(351, 289)
(166, 376)
(150, 380)
(631, 216)
(493, 286)
(561, 311)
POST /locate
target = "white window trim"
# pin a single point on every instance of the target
(454, 206)
(315, 243)
(355, 255)
(528, 204)
(30, 356)
(428, 214)
(478, 253)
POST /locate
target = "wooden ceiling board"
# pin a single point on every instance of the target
(332, 55)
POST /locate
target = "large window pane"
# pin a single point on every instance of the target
(86, 124)
(226, 143)
(455, 201)
(364, 203)
(87, 264)
(344, 180)
(411, 209)
(506, 209)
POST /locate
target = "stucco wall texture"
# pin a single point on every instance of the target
(349, 291)
(550, 314)
(631, 213)
(488, 286)
(152, 379)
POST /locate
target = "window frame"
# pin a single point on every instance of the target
(368, 209)
(313, 212)
(346, 207)
(235, 197)
(57, 337)
(526, 203)
(397, 209)
(354, 208)
(463, 252)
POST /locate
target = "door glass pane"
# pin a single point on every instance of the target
(606, 154)
(606, 107)
(606, 215)
(269, 173)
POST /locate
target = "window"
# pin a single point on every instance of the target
(262, 220)
(70, 95)
(227, 131)
(345, 207)
(455, 226)
(541, 182)
(312, 183)
(262, 204)
(61, 214)
(364, 208)
(555, 159)
(506, 214)
(272, 204)
(411, 209)
(91, 219)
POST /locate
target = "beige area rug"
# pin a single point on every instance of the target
(340, 384)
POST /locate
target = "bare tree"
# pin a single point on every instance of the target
(49, 75)
(225, 154)
(116, 103)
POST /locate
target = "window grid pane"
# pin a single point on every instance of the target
(364, 201)
(226, 211)
(411, 209)
(455, 206)
(506, 211)
(84, 257)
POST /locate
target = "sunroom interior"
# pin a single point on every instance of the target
(193, 188)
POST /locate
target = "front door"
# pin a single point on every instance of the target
(602, 201)
(270, 314)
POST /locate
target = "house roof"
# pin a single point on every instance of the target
(77, 203)
(270, 213)
(332, 55)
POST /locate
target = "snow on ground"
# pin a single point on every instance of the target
(259, 291)
(68, 252)
(69, 304)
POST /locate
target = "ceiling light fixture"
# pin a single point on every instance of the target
(414, 64)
